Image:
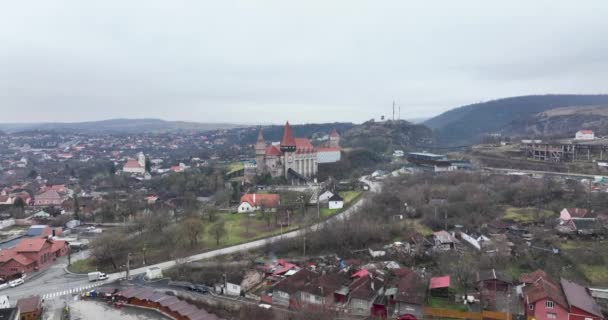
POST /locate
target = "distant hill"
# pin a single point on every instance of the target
(117, 126)
(562, 122)
(387, 136)
(468, 124)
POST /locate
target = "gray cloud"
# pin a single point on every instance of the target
(267, 61)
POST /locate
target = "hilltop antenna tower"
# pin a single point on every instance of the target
(393, 110)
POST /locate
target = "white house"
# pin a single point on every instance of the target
(336, 202)
(584, 135)
(253, 202)
(325, 196)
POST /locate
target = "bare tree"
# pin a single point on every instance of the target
(218, 231)
(192, 228)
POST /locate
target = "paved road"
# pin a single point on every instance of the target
(551, 173)
(55, 283)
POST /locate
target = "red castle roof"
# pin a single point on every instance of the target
(288, 140)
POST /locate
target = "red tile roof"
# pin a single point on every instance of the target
(439, 282)
(273, 151)
(531, 277)
(131, 163)
(586, 131)
(11, 254)
(327, 149)
(303, 145)
(544, 289)
(31, 245)
(288, 140)
(50, 194)
(267, 199)
(58, 245)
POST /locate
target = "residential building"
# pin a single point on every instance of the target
(544, 300)
(581, 304)
(336, 202)
(251, 202)
(444, 241)
(410, 296)
(568, 214)
(287, 292)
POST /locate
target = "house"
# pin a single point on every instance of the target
(336, 202)
(49, 198)
(363, 292)
(238, 284)
(30, 308)
(324, 197)
(580, 226)
(581, 304)
(320, 293)
(584, 135)
(493, 285)
(443, 241)
(287, 292)
(568, 213)
(251, 202)
(410, 296)
(439, 286)
(543, 300)
(7, 200)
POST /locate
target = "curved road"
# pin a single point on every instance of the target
(55, 283)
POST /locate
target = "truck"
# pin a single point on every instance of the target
(96, 276)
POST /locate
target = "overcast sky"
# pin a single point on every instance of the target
(307, 61)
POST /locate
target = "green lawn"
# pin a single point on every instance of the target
(349, 196)
(82, 266)
(526, 215)
(597, 274)
(444, 303)
(235, 166)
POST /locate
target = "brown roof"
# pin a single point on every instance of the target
(50, 194)
(579, 297)
(326, 284)
(273, 151)
(531, 277)
(410, 289)
(131, 163)
(296, 282)
(334, 133)
(29, 304)
(543, 288)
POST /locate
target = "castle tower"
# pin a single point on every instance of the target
(260, 152)
(288, 148)
(334, 139)
(141, 159)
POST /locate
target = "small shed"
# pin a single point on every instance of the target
(439, 286)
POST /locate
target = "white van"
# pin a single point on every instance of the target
(16, 282)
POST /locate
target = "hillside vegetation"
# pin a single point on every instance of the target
(387, 136)
(468, 124)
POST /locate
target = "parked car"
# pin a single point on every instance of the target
(16, 282)
(199, 288)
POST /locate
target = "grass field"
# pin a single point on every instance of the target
(589, 258)
(235, 166)
(526, 215)
(443, 303)
(82, 266)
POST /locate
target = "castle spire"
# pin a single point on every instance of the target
(288, 142)
(260, 136)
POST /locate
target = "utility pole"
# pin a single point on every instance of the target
(393, 110)
(318, 204)
(128, 265)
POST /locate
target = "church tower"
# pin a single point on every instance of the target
(141, 159)
(288, 148)
(334, 139)
(260, 152)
